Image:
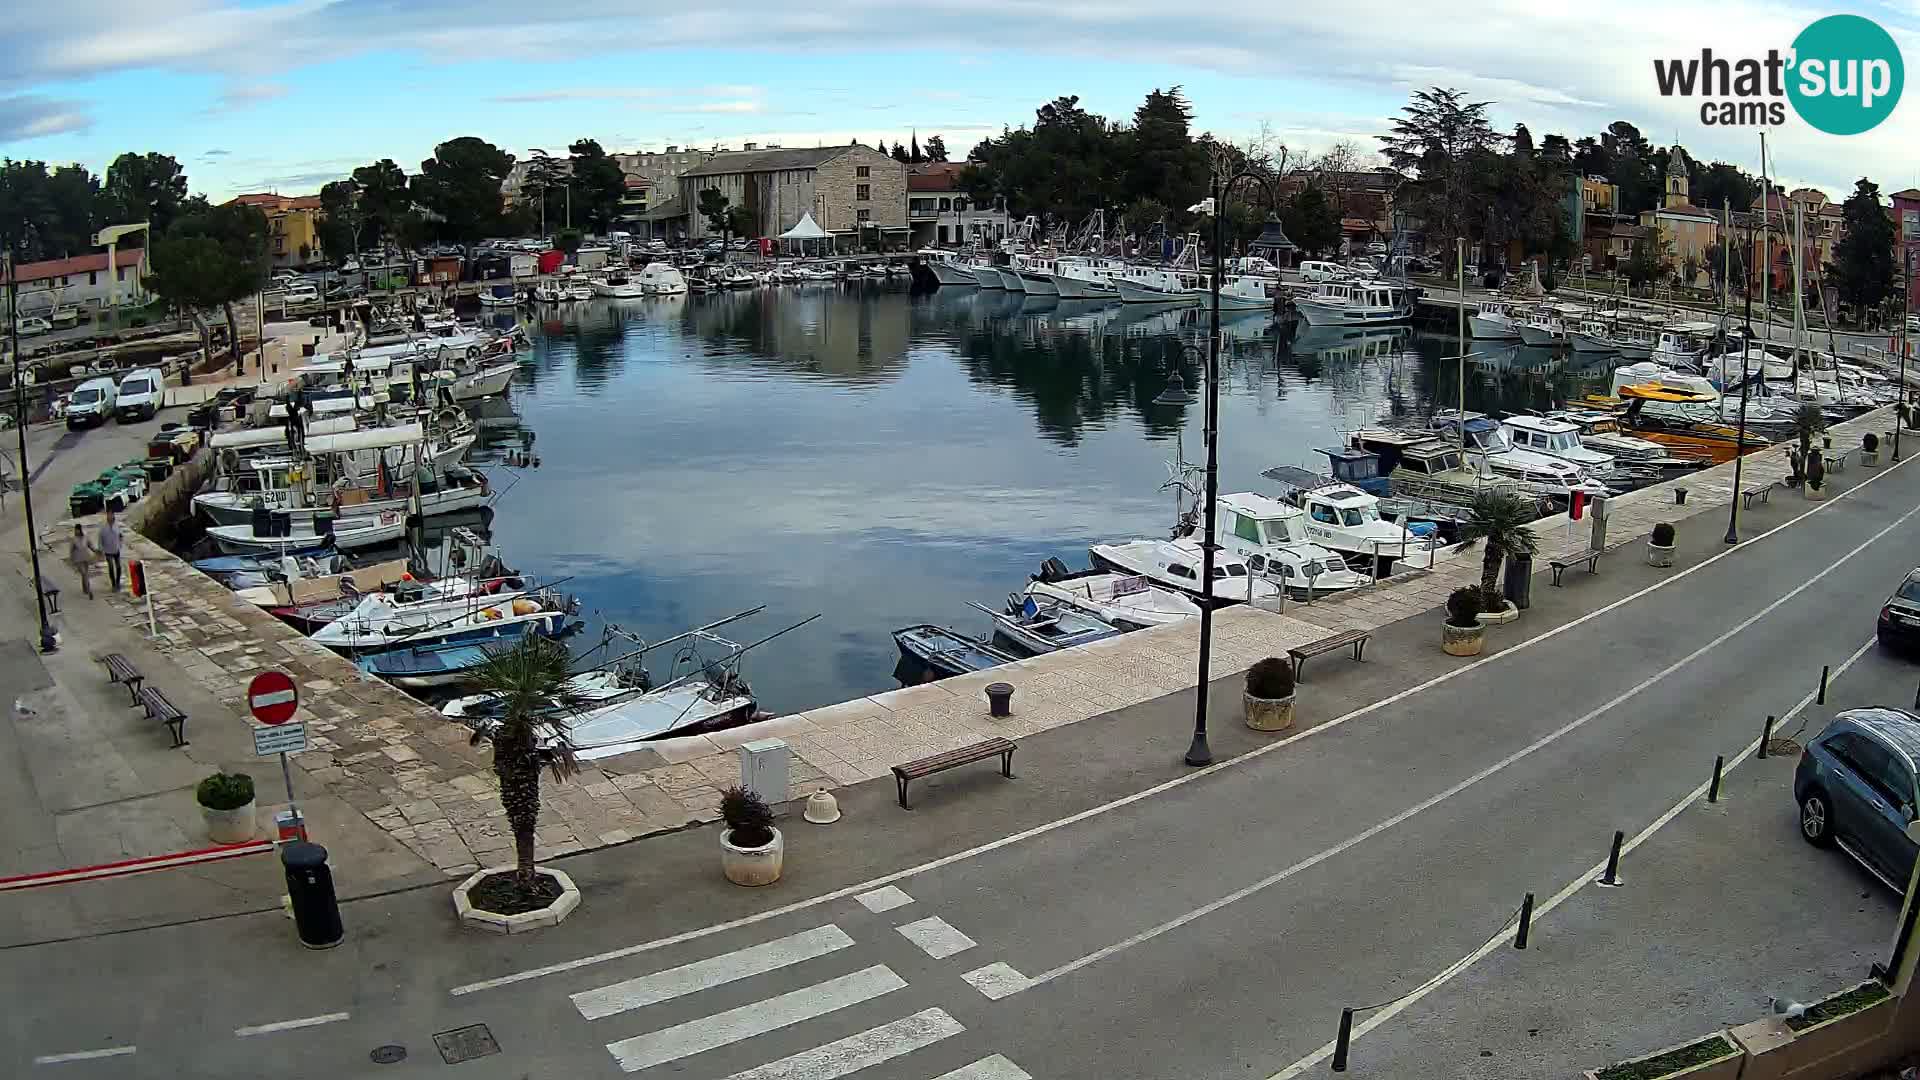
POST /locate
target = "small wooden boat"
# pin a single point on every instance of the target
(947, 652)
(1047, 627)
(383, 528)
(438, 664)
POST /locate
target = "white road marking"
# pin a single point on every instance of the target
(83, 1055)
(711, 972)
(1434, 800)
(855, 1052)
(936, 937)
(885, 899)
(987, 1068)
(996, 981)
(1579, 882)
(1182, 780)
(290, 1025)
(755, 1018)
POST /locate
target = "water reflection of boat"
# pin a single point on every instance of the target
(1349, 343)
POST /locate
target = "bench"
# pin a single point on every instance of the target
(1835, 460)
(1356, 638)
(159, 708)
(1758, 493)
(1561, 564)
(121, 670)
(927, 766)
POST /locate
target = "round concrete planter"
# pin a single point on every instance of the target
(1462, 640)
(752, 866)
(1507, 613)
(551, 915)
(1869, 459)
(1659, 556)
(1269, 714)
(1814, 494)
(235, 826)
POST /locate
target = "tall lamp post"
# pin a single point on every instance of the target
(1906, 309)
(1740, 432)
(47, 643)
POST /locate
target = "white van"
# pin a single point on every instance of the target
(1317, 272)
(91, 403)
(139, 394)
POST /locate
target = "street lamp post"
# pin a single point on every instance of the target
(1740, 432)
(1906, 309)
(47, 643)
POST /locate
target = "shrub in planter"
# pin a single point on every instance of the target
(1660, 545)
(751, 849)
(1462, 634)
(1710, 1058)
(1269, 695)
(1869, 450)
(226, 803)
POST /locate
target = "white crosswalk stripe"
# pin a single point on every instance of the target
(988, 1068)
(936, 937)
(711, 972)
(756, 1018)
(833, 1060)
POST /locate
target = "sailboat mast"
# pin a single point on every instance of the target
(1799, 322)
(1461, 245)
(1766, 262)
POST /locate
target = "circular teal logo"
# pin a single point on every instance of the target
(1846, 75)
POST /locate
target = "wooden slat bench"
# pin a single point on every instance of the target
(159, 708)
(927, 766)
(1758, 493)
(1334, 643)
(121, 670)
(1561, 563)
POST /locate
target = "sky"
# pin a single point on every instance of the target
(285, 95)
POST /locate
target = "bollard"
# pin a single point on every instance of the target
(1612, 876)
(999, 700)
(1341, 1041)
(1526, 922)
(1679, 496)
(316, 913)
(1822, 699)
(1713, 789)
(1766, 736)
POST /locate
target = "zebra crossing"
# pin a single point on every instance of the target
(680, 1045)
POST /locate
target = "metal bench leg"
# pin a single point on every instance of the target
(1006, 764)
(903, 792)
(179, 731)
(1557, 571)
(1360, 650)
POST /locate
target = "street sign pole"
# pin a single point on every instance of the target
(273, 698)
(293, 804)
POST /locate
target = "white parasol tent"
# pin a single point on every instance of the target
(806, 229)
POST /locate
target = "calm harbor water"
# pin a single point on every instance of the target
(882, 458)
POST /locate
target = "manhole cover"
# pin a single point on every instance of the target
(387, 1055)
(465, 1044)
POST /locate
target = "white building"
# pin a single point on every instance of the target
(83, 281)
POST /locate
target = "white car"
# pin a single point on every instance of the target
(33, 324)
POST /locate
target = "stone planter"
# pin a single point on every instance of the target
(1814, 494)
(235, 826)
(1269, 714)
(1659, 556)
(1869, 459)
(1505, 615)
(752, 866)
(1462, 640)
(1723, 1067)
(552, 915)
(1839, 1046)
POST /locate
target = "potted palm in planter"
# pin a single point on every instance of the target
(1462, 634)
(226, 803)
(1869, 451)
(1808, 421)
(1500, 518)
(751, 849)
(1269, 696)
(529, 680)
(1660, 545)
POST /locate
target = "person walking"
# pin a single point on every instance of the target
(80, 557)
(108, 544)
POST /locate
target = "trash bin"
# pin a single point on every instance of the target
(1517, 586)
(316, 914)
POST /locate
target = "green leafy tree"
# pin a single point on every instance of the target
(1500, 518)
(568, 240)
(1646, 263)
(48, 214)
(1633, 168)
(740, 221)
(529, 681)
(899, 153)
(598, 185)
(342, 224)
(547, 182)
(936, 148)
(713, 206)
(1310, 221)
(460, 184)
(1440, 136)
(1863, 269)
(1158, 155)
(385, 199)
(146, 187)
(212, 260)
(1723, 184)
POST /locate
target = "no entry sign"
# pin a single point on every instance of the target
(272, 697)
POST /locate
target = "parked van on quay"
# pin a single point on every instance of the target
(1316, 272)
(139, 394)
(91, 403)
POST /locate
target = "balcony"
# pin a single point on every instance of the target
(925, 215)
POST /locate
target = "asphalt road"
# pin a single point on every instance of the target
(1211, 928)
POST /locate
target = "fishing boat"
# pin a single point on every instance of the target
(437, 664)
(1496, 320)
(379, 624)
(947, 652)
(499, 296)
(290, 568)
(1272, 537)
(1247, 292)
(226, 566)
(1043, 627)
(987, 276)
(456, 488)
(1683, 344)
(1128, 601)
(1489, 446)
(580, 290)
(701, 701)
(591, 690)
(1150, 285)
(1346, 519)
(282, 536)
(405, 595)
(948, 267)
(297, 589)
(618, 285)
(1355, 303)
(661, 279)
(470, 382)
(1079, 278)
(1543, 328)
(1176, 564)
(548, 292)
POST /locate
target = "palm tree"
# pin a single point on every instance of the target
(1808, 421)
(530, 681)
(1500, 518)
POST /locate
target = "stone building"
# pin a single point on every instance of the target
(940, 213)
(1685, 231)
(857, 194)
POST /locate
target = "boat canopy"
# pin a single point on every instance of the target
(271, 436)
(370, 439)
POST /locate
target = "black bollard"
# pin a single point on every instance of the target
(1526, 922)
(1713, 789)
(1822, 699)
(316, 913)
(1766, 736)
(1612, 876)
(1341, 1041)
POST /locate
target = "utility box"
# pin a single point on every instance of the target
(763, 769)
(1599, 514)
(1517, 586)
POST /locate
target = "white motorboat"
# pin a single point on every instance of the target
(1041, 626)
(548, 292)
(1036, 274)
(1147, 285)
(1489, 447)
(688, 705)
(592, 689)
(500, 296)
(580, 290)
(1344, 518)
(478, 382)
(457, 488)
(1683, 344)
(618, 285)
(1557, 438)
(377, 628)
(1125, 600)
(1247, 292)
(1177, 563)
(661, 279)
(1496, 320)
(949, 267)
(1272, 537)
(382, 528)
(1543, 328)
(1079, 278)
(1355, 303)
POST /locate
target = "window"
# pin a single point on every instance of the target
(1351, 517)
(1178, 570)
(864, 215)
(862, 192)
(1236, 570)
(946, 204)
(93, 277)
(1246, 528)
(1258, 563)
(863, 170)
(1324, 514)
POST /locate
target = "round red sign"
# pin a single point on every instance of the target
(272, 697)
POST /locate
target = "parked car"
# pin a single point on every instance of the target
(1899, 622)
(33, 324)
(1856, 788)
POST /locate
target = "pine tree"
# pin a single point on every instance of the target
(1863, 267)
(899, 153)
(913, 151)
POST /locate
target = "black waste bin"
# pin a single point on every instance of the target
(316, 913)
(1518, 584)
